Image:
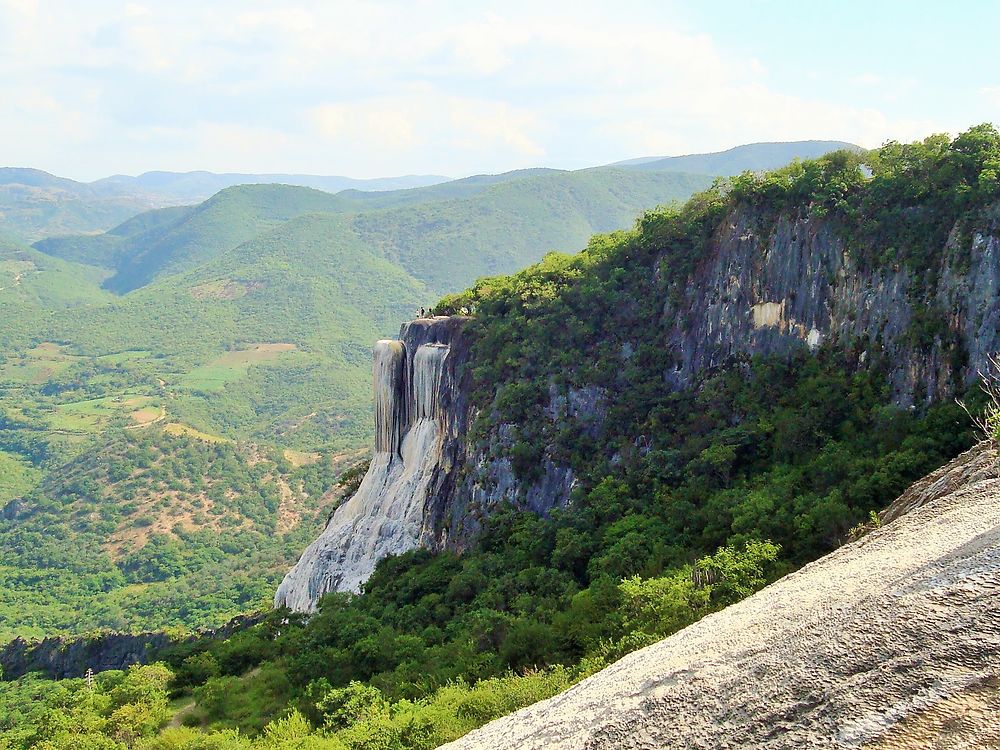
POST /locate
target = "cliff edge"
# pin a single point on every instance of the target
(892, 641)
(420, 423)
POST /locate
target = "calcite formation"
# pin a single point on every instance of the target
(392, 511)
(760, 288)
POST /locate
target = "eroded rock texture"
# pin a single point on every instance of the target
(759, 289)
(418, 427)
(892, 641)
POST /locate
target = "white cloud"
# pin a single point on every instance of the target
(386, 87)
(388, 124)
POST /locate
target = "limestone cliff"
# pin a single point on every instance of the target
(59, 657)
(420, 426)
(892, 641)
(771, 288)
(761, 287)
(764, 290)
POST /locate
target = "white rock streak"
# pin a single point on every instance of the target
(385, 516)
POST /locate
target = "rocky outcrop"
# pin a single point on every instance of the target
(892, 641)
(421, 421)
(59, 657)
(773, 288)
(761, 288)
(797, 284)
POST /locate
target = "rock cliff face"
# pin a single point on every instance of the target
(797, 284)
(59, 657)
(420, 429)
(759, 288)
(892, 641)
(774, 288)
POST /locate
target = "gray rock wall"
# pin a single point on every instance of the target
(60, 657)
(768, 290)
(800, 286)
(772, 291)
(420, 429)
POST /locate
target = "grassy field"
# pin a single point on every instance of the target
(176, 428)
(17, 476)
(231, 366)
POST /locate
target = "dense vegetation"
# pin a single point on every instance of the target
(688, 501)
(35, 204)
(152, 530)
(247, 322)
(301, 683)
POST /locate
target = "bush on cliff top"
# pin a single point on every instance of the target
(796, 450)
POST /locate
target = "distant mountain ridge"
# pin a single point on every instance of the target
(35, 205)
(187, 334)
(199, 185)
(481, 225)
(752, 156)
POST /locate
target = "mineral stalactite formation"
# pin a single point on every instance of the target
(388, 513)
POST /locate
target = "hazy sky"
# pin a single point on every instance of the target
(92, 88)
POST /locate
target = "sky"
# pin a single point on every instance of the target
(370, 89)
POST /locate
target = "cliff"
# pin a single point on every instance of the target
(59, 657)
(761, 286)
(420, 429)
(765, 288)
(892, 641)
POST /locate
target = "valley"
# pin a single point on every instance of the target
(573, 462)
(499, 376)
(231, 330)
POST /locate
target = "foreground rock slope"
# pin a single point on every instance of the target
(892, 641)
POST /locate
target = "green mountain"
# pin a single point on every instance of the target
(738, 386)
(35, 204)
(485, 225)
(754, 157)
(191, 187)
(235, 336)
(242, 327)
(29, 278)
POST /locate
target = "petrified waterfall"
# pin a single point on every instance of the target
(386, 516)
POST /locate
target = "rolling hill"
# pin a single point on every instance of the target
(191, 187)
(234, 335)
(35, 204)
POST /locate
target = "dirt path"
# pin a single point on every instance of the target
(178, 719)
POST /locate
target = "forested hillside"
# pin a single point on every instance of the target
(236, 333)
(752, 157)
(689, 499)
(35, 204)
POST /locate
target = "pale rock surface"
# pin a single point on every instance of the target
(892, 641)
(388, 515)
